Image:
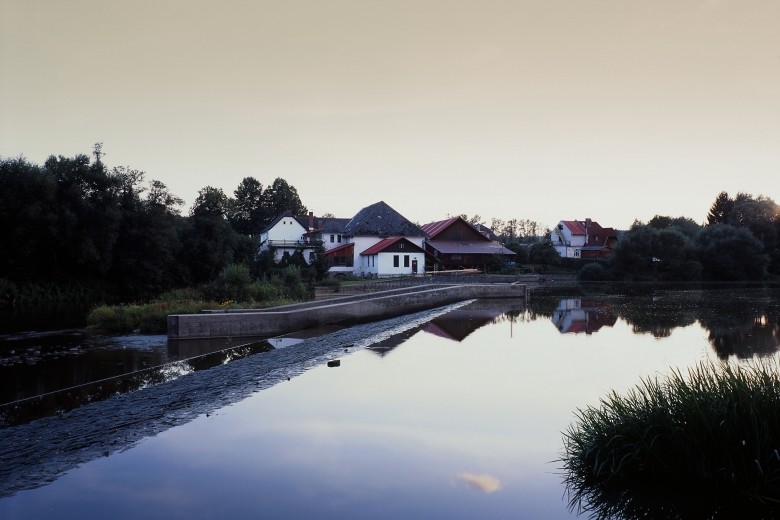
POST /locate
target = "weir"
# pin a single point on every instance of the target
(351, 309)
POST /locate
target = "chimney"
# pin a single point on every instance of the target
(311, 221)
(587, 226)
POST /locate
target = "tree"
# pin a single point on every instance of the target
(720, 209)
(658, 251)
(544, 253)
(28, 220)
(731, 253)
(280, 197)
(210, 202)
(247, 212)
(89, 216)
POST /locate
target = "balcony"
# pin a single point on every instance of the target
(291, 243)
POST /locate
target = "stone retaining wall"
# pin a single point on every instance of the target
(273, 322)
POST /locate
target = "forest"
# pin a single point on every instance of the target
(75, 229)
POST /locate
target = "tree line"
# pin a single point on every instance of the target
(739, 241)
(73, 221)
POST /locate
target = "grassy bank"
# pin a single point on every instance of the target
(234, 288)
(705, 444)
(152, 318)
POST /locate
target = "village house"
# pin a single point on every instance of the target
(377, 242)
(454, 243)
(582, 239)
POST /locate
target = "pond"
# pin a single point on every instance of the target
(451, 413)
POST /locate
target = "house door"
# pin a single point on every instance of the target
(414, 266)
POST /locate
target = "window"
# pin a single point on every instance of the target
(406, 260)
(395, 260)
(331, 239)
(311, 256)
(401, 245)
(339, 238)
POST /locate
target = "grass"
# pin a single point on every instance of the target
(704, 444)
(152, 318)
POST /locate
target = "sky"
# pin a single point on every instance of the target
(545, 110)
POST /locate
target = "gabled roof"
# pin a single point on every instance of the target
(596, 234)
(282, 215)
(381, 220)
(575, 227)
(432, 229)
(384, 244)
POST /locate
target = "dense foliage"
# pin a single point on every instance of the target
(73, 222)
(741, 241)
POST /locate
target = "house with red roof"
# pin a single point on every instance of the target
(456, 244)
(583, 239)
(377, 242)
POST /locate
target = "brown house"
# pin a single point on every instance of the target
(456, 244)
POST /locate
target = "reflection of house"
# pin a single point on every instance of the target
(582, 239)
(577, 315)
(456, 244)
(458, 324)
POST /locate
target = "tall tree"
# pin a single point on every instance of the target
(720, 209)
(247, 212)
(279, 197)
(210, 202)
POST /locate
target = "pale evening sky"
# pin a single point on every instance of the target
(539, 109)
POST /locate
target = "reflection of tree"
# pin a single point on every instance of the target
(743, 327)
(659, 315)
(742, 322)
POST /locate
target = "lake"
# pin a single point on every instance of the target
(452, 413)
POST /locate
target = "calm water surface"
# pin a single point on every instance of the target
(457, 417)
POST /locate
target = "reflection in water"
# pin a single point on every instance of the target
(96, 420)
(575, 315)
(459, 324)
(739, 322)
(485, 483)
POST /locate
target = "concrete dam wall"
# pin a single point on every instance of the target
(282, 320)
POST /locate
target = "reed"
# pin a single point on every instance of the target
(700, 444)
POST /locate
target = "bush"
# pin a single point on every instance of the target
(592, 273)
(700, 446)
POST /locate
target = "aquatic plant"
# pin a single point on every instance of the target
(705, 444)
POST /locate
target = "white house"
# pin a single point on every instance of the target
(582, 239)
(370, 226)
(288, 234)
(377, 242)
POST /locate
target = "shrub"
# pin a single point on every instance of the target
(702, 446)
(592, 273)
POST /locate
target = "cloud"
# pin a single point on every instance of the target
(484, 483)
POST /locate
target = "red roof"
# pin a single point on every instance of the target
(434, 228)
(575, 227)
(384, 244)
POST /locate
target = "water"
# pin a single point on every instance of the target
(456, 413)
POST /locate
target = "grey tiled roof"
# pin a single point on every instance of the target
(381, 220)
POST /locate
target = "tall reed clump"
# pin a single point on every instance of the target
(705, 444)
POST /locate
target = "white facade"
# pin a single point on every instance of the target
(382, 264)
(286, 236)
(567, 244)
